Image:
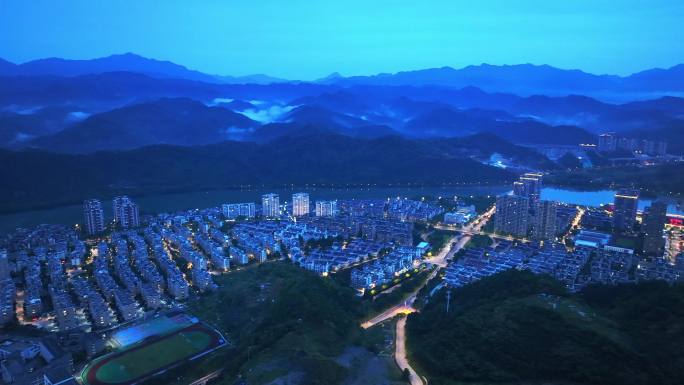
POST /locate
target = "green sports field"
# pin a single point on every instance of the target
(131, 365)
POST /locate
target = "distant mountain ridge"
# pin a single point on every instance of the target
(356, 110)
(526, 79)
(522, 79)
(127, 62)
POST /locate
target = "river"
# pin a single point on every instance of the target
(154, 204)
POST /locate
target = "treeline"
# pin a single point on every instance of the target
(652, 180)
(36, 179)
(516, 327)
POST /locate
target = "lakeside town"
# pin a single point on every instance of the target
(76, 286)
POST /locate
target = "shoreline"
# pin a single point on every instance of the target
(153, 204)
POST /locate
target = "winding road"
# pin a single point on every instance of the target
(439, 261)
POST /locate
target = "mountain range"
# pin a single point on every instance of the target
(127, 62)
(529, 79)
(156, 126)
(32, 107)
(522, 79)
(98, 92)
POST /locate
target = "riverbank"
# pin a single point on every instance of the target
(161, 203)
(656, 180)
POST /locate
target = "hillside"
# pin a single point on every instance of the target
(177, 121)
(278, 334)
(516, 327)
(666, 179)
(46, 179)
(118, 88)
(448, 122)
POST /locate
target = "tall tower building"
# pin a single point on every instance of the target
(544, 228)
(126, 212)
(512, 215)
(607, 142)
(300, 204)
(326, 208)
(93, 216)
(529, 185)
(652, 227)
(624, 215)
(270, 205)
(519, 188)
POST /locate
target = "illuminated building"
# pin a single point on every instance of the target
(93, 216)
(512, 215)
(624, 215)
(545, 221)
(652, 227)
(125, 212)
(270, 205)
(326, 208)
(300, 204)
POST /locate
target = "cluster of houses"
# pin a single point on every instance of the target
(35, 361)
(341, 255)
(407, 210)
(118, 277)
(594, 259)
(384, 270)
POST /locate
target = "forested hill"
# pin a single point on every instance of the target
(43, 179)
(516, 327)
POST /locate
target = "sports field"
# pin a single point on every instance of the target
(157, 326)
(131, 365)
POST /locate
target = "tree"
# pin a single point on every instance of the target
(406, 375)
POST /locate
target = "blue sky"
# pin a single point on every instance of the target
(309, 39)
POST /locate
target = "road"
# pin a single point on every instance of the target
(575, 222)
(440, 260)
(474, 227)
(400, 353)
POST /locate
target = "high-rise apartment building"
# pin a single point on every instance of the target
(653, 225)
(270, 205)
(126, 212)
(234, 210)
(326, 208)
(512, 215)
(93, 216)
(544, 227)
(624, 214)
(300, 204)
(607, 143)
(529, 185)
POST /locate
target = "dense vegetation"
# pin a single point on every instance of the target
(516, 327)
(661, 179)
(280, 320)
(382, 302)
(438, 239)
(39, 179)
(478, 240)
